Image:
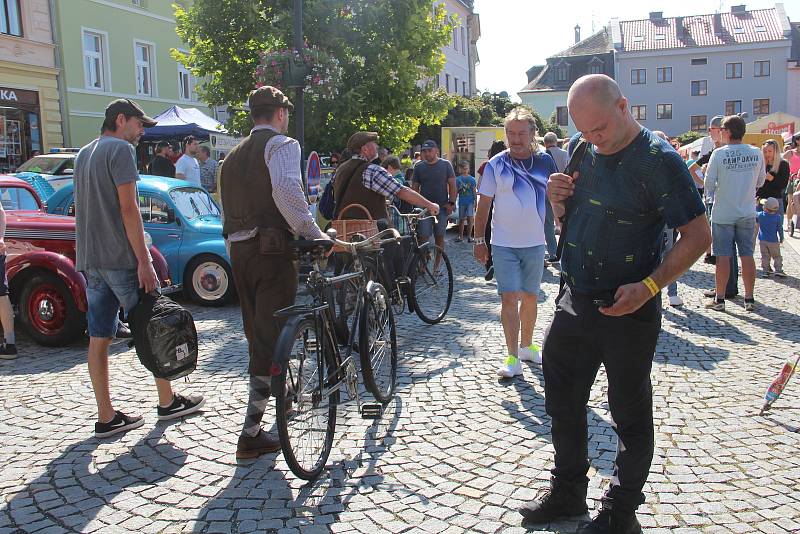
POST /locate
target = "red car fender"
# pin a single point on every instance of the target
(52, 262)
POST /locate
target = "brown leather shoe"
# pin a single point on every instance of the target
(261, 443)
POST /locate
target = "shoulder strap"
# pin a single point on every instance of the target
(575, 159)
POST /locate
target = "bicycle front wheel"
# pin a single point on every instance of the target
(378, 345)
(306, 407)
(432, 284)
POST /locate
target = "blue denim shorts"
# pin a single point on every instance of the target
(466, 210)
(518, 269)
(106, 291)
(426, 226)
(742, 232)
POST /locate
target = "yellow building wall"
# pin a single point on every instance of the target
(43, 81)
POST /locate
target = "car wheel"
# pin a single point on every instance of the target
(48, 311)
(209, 280)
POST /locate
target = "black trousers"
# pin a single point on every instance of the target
(579, 339)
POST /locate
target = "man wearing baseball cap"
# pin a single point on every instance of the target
(435, 179)
(112, 253)
(264, 207)
(732, 287)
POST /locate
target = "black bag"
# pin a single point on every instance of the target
(327, 204)
(164, 336)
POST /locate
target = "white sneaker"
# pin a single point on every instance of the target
(531, 354)
(511, 367)
(675, 301)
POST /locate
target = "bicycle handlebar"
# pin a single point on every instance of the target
(377, 239)
(419, 213)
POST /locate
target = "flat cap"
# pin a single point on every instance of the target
(359, 139)
(268, 96)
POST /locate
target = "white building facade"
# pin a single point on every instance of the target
(461, 52)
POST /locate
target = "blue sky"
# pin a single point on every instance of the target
(517, 34)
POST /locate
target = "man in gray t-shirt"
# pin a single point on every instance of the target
(113, 255)
(435, 180)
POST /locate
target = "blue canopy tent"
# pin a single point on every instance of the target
(177, 122)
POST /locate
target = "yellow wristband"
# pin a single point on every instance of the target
(651, 285)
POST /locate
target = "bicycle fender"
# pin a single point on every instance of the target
(283, 347)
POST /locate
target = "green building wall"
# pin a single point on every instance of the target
(121, 23)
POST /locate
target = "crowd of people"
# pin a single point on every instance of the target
(630, 217)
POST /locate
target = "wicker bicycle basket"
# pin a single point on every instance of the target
(346, 228)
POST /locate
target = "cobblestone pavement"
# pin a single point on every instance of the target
(457, 451)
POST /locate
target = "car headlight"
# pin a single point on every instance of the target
(148, 240)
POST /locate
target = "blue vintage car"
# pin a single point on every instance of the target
(185, 225)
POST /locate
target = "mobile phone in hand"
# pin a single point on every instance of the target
(603, 303)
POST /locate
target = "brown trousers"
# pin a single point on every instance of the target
(265, 283)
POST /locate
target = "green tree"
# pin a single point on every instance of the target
(689, 137)
(384, 46)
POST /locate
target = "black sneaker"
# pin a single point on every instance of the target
(120, 423)
(181, 406)
(552, 260)
(709, 259)
(8, 351)
(553, 504)
(489, 273)
(609, 522)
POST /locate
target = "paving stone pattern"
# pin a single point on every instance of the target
(456, 451)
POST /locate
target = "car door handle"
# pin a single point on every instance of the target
(174, 236)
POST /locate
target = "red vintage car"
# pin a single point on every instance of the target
(40, 264)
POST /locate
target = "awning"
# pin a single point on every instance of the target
(180, 122)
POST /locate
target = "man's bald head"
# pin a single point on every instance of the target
(599, 88)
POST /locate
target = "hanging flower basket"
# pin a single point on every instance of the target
(318, 72)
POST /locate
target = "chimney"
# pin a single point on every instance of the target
(718, 24)
(577, 33)
(680, 29)
(656, 15)
(739, 9)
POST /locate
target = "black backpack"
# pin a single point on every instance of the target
(164, 336)
(327, 204)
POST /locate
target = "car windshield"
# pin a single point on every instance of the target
(42, 164)
(18, 198)
(193, 202)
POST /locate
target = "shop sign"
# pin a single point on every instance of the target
(777, 129)
(19, 96)
(224, 142)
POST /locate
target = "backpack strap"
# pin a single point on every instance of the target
(578, 151)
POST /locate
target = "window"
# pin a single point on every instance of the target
(699, 123)
(664, 111)
(186, 83)
(144, 68)
(455, 85)
(463, 41)
(455, 38)
(138, 3)
(18, 198)
(153, 210)
(10, 23)
(447, 82)
(700, 88)
(438, 78)
(761, 106)
(760, 28)
(738, 31)
(660, 37)
(638, 76)
(638, 39)
(732, 107)
(596, 68)
(664, 75)
(733, 70)
(562, 116)
(94, 60)
(639, 112)
(700, 61)
(561, 73)
(464, 87)
(761, 69)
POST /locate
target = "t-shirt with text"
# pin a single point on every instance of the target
(733, 174)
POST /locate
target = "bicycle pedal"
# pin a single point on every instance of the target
(371, 410)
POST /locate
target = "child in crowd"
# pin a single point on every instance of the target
(467, 194)
(769, 222)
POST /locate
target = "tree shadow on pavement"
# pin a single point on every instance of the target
(89, 482)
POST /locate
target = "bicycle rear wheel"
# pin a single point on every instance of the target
(306, 408)
(378, 345)
(431, 289)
